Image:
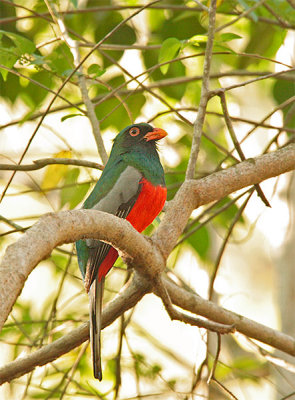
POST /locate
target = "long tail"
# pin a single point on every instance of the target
(95, 304)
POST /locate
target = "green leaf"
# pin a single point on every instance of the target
(282, 91)
(220, 47)
(23, 45)
(37, 60)
(197, 39)
(8, 59)
(60, 60)
(226, 37)
(71, 116)
(168, 51)
(95, 70)
(75, 3)
(200, 242)
(74, 193)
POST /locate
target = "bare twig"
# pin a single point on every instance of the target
(66, 81)
(175, 314)
(225, 241)
(47, 89)
(43, 162)
(269, 356)
(237, 144)
(218, 383)
(134, 7)
(73, 46)
(199, 122)
(242, 15)
(217, 92)
(212, 373)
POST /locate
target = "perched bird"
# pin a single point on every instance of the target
(132, 186)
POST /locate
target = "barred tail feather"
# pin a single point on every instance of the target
(95, 296)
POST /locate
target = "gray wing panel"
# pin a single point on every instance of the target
(119, 201)
(124, 189)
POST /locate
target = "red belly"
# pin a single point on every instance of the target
(150, 202)
(148, 205)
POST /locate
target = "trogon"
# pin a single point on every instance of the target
(132, 186)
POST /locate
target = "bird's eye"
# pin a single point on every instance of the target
(134, 131)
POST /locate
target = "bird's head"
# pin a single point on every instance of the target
(141, 134)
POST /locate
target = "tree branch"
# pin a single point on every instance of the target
(68, 226)
(147, 256)
(74, 48)
(199, 122)
(237, 144)
(128, 297)
(194, 193)
(43, 162)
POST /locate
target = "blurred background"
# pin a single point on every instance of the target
(237, 251)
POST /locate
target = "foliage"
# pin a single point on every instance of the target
(168, 41)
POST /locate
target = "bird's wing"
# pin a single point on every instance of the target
(118, 201)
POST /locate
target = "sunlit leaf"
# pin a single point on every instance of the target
(75, 3)
(65, 117)
(54, 173)
(226, 37)
(95, 70)
(200, 242)
(73, 193)
(8, 59)
(23, 45)
(168, 51)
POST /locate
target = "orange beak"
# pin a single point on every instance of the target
(155, 134)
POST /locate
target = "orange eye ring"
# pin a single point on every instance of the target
(134, 131)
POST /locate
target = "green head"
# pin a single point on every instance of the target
(138, 136)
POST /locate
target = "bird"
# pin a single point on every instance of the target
(131, 186)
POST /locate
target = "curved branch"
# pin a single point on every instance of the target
(194, 193)
(197, 305)
(66, 227)
(127, 298)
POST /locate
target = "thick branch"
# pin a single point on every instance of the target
(127, 298)
(194, 193)
(67, 227)
(197, 305)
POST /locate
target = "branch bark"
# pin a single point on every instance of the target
(199, 122)
(126, 299)
(148, 256)
(68, 226)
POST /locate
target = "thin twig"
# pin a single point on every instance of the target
(216, 92)
(167, 82)
(221, 251)
(231, 395)
(107, 36)
(17, 73)
(212, 373)
(237, 144)
(242, 15)
(43, 162)
(73, 46)
(175, 314)
(199, 122)
(134, 7)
